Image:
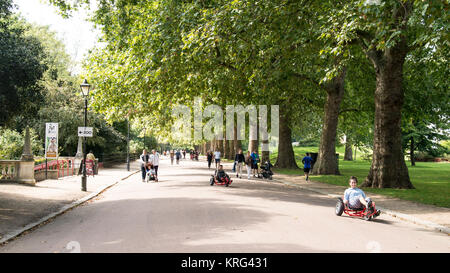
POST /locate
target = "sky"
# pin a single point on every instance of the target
(75, 32)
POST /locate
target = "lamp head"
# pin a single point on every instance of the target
(85, 86)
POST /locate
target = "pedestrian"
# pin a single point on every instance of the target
(144, 158)
(248, 163)
(172, 156)
(154, 160)
(90, 156)
(255, 161)
(209, 157)
(307, 165)
(217, 158)
(239, 159)
(178, 156)
(184, 154)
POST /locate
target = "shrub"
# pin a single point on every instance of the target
(11, 144)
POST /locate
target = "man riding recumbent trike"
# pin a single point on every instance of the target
(220, 177)
(355, 203)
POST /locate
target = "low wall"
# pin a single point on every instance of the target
(17, 171)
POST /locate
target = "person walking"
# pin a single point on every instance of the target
(209, 157)
(178, 156)
(172, 156)
(248, 163)
(307, 160)
(255, 161)
(239, 159)
(217, 158)
(144, 158)
(154, 160)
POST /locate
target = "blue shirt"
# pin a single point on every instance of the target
(255, 157)
(307, 161)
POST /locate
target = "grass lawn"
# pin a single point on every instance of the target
(431, 180)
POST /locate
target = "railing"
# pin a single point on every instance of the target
(8, 169)
(109, 160)
(17, 171)
(61, 167)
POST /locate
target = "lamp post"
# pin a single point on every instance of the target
(85, 90)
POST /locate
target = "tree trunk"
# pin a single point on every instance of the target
(231, 151)
(253, 144)
(219, 147)
(265, 154)
(388, 169)
(286, 158)
(237, 144)
(226, 149)
(348, 150)
(326, 159)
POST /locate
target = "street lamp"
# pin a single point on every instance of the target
(85, 90)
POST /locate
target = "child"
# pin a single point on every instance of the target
(355, 198)
(151, 173)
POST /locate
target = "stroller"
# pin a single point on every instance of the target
(151, 174)
(266, 171)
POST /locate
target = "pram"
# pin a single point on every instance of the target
(151, 174)
(266, 170)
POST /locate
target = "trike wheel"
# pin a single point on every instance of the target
(339, 207)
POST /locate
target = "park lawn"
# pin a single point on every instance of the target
(431, 180)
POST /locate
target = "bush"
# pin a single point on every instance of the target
(11, 144)
(423, 156)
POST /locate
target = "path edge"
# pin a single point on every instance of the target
(13, 234)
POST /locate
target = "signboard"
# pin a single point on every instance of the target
(85, 131)
(51, 140)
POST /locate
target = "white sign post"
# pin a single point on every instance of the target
(85, 131)
(51, 140)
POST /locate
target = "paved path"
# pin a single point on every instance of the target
(436, 218)
(182, 213)
(22, 205)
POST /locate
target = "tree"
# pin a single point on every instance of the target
(387, 31)
(20, 69)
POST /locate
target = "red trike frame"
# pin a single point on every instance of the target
(363, 212)
(223, 182)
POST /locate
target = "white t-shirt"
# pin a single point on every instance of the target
(217, 155)
(154, 159)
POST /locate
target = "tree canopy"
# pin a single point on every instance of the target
(362, 65)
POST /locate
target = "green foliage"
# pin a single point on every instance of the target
(41, 89)
(11, 143)
(426, 111)
(162, 53)
(20, 70)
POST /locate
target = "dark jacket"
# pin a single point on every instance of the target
(239, 158)
(221, 173)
